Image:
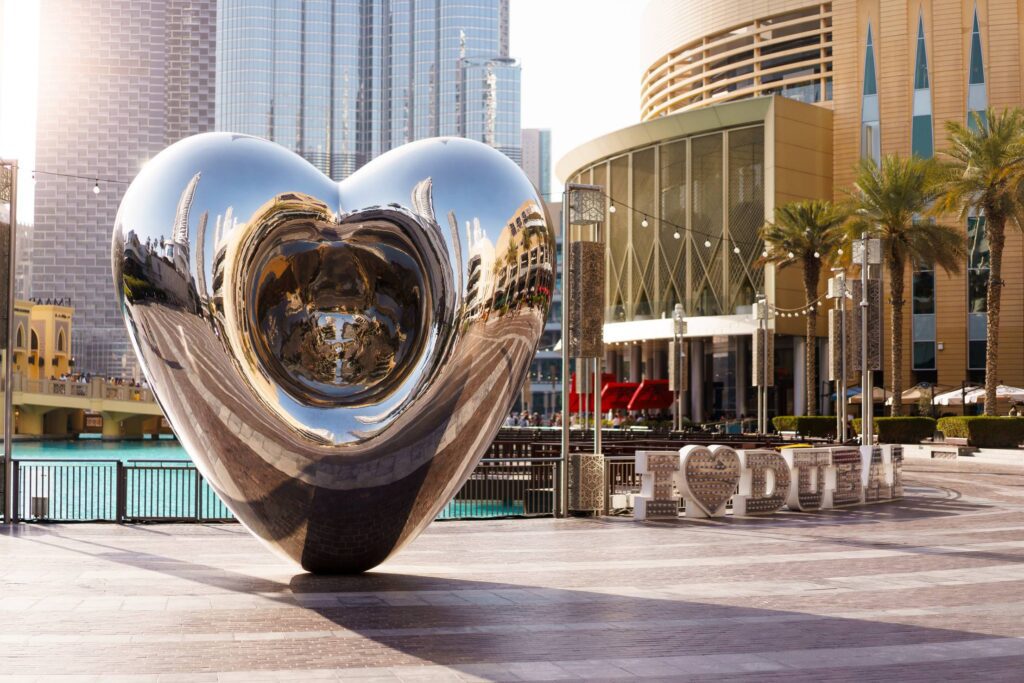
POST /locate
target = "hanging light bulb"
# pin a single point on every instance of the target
(707, 244)
(676, 234)
(817, 254)
(96, 188)
(611, 208)
(644, 223)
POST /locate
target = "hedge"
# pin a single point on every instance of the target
(807, 425)
(901, 429)
(984, 431)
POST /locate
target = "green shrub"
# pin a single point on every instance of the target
(983, 431)
(823, 426)
(901, 429)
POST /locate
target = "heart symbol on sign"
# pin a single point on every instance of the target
(334, 360)
(708, 477)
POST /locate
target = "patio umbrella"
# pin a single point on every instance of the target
(850, 391)
(918, 392)
(1003, 393)
(878, 394)
(954, 397)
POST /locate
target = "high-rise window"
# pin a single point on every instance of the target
(870, 133)
(977, 241)
(977, 291)
(977, 98)
(923, 311)
(923, 283)
(342, 81)
(921, 124)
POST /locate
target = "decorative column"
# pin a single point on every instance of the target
(582, 480)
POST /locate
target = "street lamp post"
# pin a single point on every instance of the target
(837, 292)
(867, 252)
(763, 349)
(9, 192)
(679, 331)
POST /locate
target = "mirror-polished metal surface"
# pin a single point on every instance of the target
(335, 358)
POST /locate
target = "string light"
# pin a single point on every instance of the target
(764, 254)
(707, 244)
(95, 180)
(735, 250)
(676, 234)
(790, 254)
(817, 255)
(646, 220)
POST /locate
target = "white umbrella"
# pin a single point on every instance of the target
(1003, 393)
(952, 398)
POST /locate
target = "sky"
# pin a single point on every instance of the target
(581, 68)
(18, 95)
(580, 75)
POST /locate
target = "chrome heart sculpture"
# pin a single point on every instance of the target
(333, 357)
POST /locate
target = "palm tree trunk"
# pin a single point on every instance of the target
(995, 227)
(896, 283)
(812, 269)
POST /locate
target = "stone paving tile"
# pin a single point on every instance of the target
(914, 590)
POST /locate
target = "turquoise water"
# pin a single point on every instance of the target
(86, 491)
(96, 449)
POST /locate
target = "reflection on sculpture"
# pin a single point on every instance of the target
(332, 358)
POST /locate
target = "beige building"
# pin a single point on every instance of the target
(42, 340)
(749, 105)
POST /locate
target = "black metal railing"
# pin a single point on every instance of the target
(507, 487)
(68, 490)
(621, 479)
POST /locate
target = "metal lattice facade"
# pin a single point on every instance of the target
(702, 198)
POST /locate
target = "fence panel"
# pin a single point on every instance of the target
(66, 490)
(506, 487)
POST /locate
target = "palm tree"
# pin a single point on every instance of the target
(983, 174)
(808, 233)
(888, 202)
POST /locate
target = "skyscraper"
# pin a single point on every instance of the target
(537, 159)
(118, 81)
(342, 81)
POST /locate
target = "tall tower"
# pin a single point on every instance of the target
(119, 80)
(342, 81)
(537, 159)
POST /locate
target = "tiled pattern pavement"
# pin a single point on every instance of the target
(929, 588)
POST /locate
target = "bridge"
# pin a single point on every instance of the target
(46, 407)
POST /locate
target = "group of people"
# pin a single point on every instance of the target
(85, 378)
(528, 419)
(614, 418)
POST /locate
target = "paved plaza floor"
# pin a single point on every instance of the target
(928, 588)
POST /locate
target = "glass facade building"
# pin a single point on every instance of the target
(342, 81)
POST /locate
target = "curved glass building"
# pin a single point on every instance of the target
(747, 106)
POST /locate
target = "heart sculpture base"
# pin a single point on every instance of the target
(333, 357)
